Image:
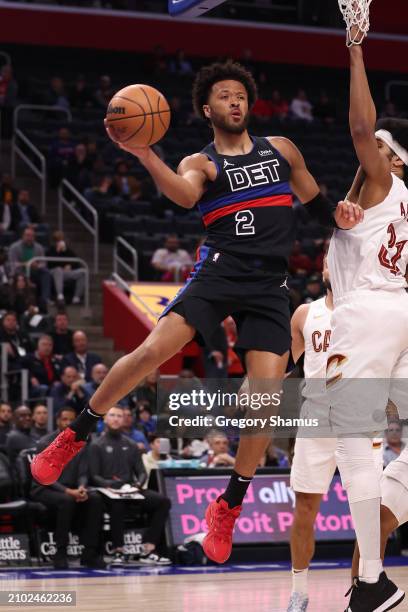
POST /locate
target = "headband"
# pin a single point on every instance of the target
(386, 137)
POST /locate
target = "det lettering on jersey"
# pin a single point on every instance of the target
(254, 175)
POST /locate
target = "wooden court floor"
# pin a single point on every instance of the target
(235, 592)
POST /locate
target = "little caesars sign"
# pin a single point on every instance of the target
(14, 547)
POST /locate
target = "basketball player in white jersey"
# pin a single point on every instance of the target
(369, 324)
(314, 462)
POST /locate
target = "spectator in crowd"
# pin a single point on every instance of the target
(145, 419)
(102, 192)
(6, 417)
(21, 252)
(171, 262)
(19, 343)
(80, 97)
(218, 454)
(390, 110)
(125, 185)
(6, 208)
(152, 457)
(393, 444)
(180, 65)
(20, 437)
(62, 335)
(24, 212)
(119, 466)
(158, 64)
(69, 495)
(69, 391)
(325, 109)
(81, 358)
(5, 280)
(262, 109)
(40, 421)
(56, 95)
(131, 431)
(44, 367)
(275, 457)
(8, 193)
(63, 273)
(148, 392)
(8, 98)
(279, 105)
(300, 107)
(235, 368)
(80, 168)
(299, 263)
(98, 374)
(105, 92)
(61, 153)
(216, 356)
(313, 289)
(22, 297)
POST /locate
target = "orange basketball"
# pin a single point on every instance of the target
(137, 115)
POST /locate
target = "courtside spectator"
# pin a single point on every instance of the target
(44, 367)
(219, 453)
(63, 273)
(81, 358)
(300, 107)
(40, 421)
(393, 443)
(23, 212)
(152, 457)
(131, 431)
(21, 252)
(69, 496)
(120, 465)
(6, 418)
(69, 391)
(20, 437)
(98, 374)
(62, 335)
(171, 262)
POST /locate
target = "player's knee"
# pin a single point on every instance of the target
(359, 475)
(150, 352)
(307, 505)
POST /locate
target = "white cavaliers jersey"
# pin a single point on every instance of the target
(374, 254)
(316, 332)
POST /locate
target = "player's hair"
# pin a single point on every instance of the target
(227, 71)
(398, 129)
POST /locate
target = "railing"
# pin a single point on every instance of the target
(39, 169)
(124, 285)
(5, 373)
(65, 260)
(392, 84)
(119, 261)
(93, 228)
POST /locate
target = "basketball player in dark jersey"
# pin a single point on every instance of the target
(243, 186)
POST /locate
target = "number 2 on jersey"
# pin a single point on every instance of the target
(384, 256)
(244, 223)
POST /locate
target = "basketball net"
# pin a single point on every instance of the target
(356, 14)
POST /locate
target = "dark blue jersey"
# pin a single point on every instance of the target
(247, 210)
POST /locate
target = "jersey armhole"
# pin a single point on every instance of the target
(276, 151)
(211, 158)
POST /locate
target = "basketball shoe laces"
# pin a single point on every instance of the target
(224, 521)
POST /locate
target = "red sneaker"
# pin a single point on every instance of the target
(220, 518)
(47, 466)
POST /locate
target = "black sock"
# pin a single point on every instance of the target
(236, 489)
(84, 423)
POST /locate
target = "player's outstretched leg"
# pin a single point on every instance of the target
(265, 370)
(169, 336)
(302, 545)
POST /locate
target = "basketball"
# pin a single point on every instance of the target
(137, 115)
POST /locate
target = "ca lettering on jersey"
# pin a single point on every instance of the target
(253, 175)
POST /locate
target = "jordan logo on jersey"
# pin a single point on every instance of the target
(254, 175)
(226, 164)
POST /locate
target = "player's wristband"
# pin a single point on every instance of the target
(321, 209)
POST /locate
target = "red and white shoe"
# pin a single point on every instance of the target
(48, 465)
(220, 518)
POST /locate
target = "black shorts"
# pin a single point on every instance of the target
(257, 299)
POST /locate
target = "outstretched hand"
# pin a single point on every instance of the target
(348, 214)
(141, 152)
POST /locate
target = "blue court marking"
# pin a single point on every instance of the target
(49, 573)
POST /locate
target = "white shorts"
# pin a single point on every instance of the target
(394, 487)
(368, 352)
(314, 464)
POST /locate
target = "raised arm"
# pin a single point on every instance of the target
(297, 324)
(186, 186)
(362, 118)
